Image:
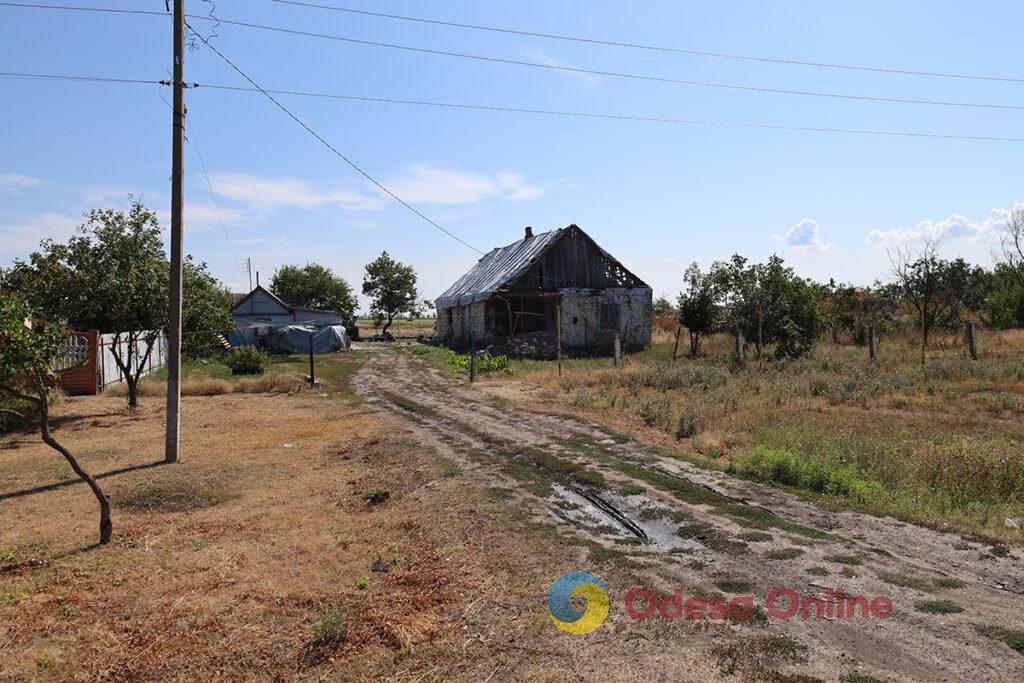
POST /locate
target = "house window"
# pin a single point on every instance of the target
(609, 314)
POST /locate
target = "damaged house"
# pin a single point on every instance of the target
(522, 288)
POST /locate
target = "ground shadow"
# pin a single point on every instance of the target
(72, 482)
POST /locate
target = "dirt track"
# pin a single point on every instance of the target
(712, 513)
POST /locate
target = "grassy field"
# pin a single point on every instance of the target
(301, 537)
(938, 444)
(401, 329)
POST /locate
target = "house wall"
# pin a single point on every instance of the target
(262, 306)
(580, 318)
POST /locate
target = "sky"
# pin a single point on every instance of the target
(658, 196)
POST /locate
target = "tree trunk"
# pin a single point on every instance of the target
(924, 335)
(133, 391)
(106, 525)
(694, 344)
(387, 325)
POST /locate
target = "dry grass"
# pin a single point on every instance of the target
(248, 559)
(937, 444)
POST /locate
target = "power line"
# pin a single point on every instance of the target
(546, 112)
(57, 77)
(655, 48)
(330, 146)
(619, 74)
(554, 67)
(195, 143)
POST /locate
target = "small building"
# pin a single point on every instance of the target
(519, 289)
(262, 318)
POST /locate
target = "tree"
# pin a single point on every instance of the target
(934, 288)
(315, 286)
(1013, 244)
(112, 276)
(206, 310)
(699, 306)
(1006, 299)
(771, 305)
(26, 356)
(392, 286)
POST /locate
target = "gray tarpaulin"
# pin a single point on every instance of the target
(292, 338)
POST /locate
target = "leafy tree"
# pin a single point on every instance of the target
(934, 288)
(392, 287)
(112, 276)
(205, 310)
(663, 307)
(26, 355)
(771, 305)
(315, 286)
(1006, 299)
(700, 305)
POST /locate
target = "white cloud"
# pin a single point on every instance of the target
(10, 180)
(538, 55)
(426, 184)
(805, 236)
(953, 228)
(267, 193)
(21, 238)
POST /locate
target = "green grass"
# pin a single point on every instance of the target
(850, 560)
(904, 581)
(949, 582)
(631, 489)
(784, 553)
(938, 606)
(818, 571)
(1012, 637)
(756, 536)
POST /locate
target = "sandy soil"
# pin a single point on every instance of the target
(731, 532)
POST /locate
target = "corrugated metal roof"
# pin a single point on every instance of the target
(495, 269)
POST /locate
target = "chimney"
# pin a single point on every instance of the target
(529, 232)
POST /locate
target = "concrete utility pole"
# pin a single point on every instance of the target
(177, 206)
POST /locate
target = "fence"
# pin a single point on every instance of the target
(87, 365)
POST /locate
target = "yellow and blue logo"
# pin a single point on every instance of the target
(560, 606)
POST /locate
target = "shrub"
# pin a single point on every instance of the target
(333, 626)
(485, 363)
(247, 360)
(687, 425)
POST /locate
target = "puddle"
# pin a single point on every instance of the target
(571, 506)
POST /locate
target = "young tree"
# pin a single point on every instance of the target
(699, 306)
(112, 276)
(315, 286)
(392, 287)
(26, 355)
(933, 288)
(771, 305)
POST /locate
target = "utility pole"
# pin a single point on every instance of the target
(177, 207)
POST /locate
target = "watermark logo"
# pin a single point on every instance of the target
(578, 584)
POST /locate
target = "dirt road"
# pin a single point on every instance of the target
(640, 518)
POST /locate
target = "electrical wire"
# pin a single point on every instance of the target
(655, 48)
(554, 67)
(331, 147)
(195, 143)
(544, 112)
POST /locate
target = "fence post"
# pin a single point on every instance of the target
(312, 367)
(739, 345)
(472, 356)
(558, 337)
(675, 349)
(872, 343)
(972, 342)
(618, 350)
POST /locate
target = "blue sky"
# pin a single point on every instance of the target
(658, 196)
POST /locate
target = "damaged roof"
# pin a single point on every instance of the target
(501, 267)
(497, 268)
